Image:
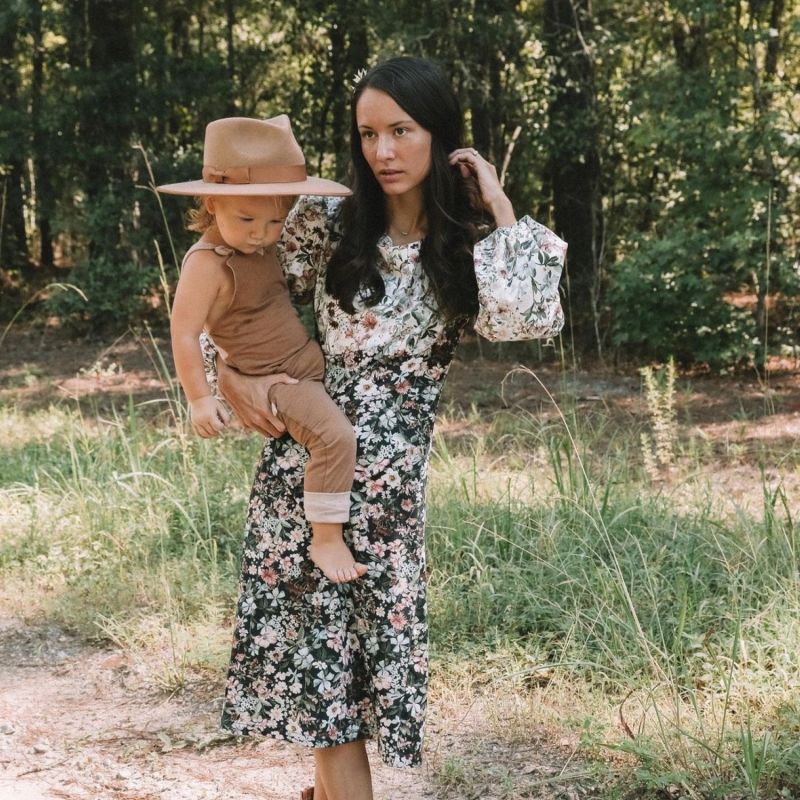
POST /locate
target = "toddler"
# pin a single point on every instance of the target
(232, 285)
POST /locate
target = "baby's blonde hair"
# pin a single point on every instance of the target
(200, 219)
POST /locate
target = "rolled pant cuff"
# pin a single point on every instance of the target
(327, 506)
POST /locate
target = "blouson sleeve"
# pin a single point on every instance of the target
(306, 242)
(518, 268)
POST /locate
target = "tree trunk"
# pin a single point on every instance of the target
(357, 58)
(43, 196)
(13, 240)
(230, 24)
(491, 36)
(574, 162)
(774, 42)
(76, 18)
(762, 95)
(349, 52)
(107, 123)
(334, 105)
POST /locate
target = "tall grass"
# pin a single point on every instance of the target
(675, 627)
(684, 620)
(117, 527)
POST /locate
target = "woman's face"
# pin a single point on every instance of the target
(396, 147)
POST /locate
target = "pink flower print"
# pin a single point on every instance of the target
(397, 621)
(413, 365)
(552, 245)
(374, 488)
(335, 643)
(269, 575)
(407, 504)
(362, 472)
(369, 320)
(264, 641)
(402, 387)
(289, 460)
(383, 680)
(366, 388)
(378, 549)
(419, 655)
(360, 542)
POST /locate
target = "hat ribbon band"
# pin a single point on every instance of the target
(275, 174)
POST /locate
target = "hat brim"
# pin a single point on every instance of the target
(317, 186)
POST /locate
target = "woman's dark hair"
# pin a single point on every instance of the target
(452, 205)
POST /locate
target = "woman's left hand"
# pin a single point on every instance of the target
(471, 162)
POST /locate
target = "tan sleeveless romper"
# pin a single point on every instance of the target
(261, 334)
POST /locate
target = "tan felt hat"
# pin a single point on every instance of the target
(243, 156)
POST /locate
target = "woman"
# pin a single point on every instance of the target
(397, 271)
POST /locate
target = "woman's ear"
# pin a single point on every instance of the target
(208, 202)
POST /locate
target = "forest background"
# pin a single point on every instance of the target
(614, 546)
(660, 139)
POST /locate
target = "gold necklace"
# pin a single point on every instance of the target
(412, 227)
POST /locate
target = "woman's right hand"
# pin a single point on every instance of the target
(248, 396)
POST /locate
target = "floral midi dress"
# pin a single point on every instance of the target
(321, 664)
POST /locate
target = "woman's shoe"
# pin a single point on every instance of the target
(307, 794)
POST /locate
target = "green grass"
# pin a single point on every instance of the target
(554, 561)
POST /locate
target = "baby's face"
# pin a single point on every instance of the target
(249, 223)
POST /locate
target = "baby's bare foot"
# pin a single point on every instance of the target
(335, 560)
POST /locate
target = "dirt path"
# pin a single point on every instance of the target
(80, 722)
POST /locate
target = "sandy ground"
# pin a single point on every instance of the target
(78, 721)
(82, 722)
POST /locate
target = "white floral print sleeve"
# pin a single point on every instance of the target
(306, 241)
(518, 268)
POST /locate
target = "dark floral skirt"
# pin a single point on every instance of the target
(321, 664)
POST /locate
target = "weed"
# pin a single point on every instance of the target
(658, 447)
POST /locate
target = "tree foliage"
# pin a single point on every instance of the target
(659, 138)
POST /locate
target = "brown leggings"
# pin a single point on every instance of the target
(314, 420)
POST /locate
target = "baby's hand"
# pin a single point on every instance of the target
(208, 416)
